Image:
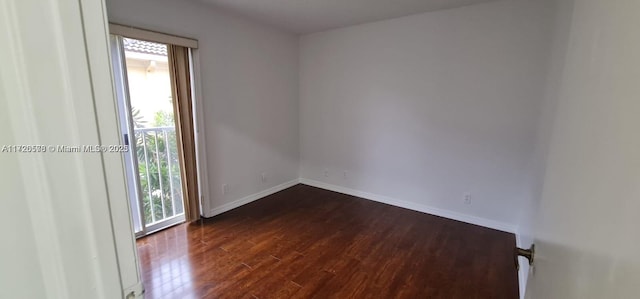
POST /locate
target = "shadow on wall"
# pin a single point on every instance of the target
(429, 107)
(249, 88)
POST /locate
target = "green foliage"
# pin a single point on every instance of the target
(159, 169)
(163, 119)
(138, 120)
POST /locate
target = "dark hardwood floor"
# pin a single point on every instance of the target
(305, 242)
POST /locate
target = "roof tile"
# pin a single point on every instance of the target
(140, 46)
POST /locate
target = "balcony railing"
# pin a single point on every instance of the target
(159, 169)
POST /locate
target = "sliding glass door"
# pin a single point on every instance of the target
(146, 108)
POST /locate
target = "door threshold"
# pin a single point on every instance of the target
(162, 226)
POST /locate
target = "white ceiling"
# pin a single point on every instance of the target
(307, 16)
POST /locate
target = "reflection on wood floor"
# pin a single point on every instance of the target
(306, 242)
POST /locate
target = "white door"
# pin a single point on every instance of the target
(65, 222)
(586, 228)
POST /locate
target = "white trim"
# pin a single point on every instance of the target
(134, 291)
(488, 223)
(200, 135)
(106, 109)
(253, 197)
(79, 253)
(152, 36)
(501, 226)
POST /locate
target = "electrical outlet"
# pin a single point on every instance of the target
(326, 173)
(467, 198)
(225, 188)
(345, 174)
(264, 177)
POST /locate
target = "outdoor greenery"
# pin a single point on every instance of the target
(138, 120)
(163, 119)
(158, 166)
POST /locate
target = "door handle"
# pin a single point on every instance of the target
(526, 253)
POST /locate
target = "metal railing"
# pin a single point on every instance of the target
(159, 170)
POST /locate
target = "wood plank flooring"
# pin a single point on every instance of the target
(306, 242)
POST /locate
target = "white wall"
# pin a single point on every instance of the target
(149, 90)
(427, 107)
(249, 76)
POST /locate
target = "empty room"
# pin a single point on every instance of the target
(320, 149)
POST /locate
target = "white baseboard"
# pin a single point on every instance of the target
(253, 197)
(501, 226)
(497, 225)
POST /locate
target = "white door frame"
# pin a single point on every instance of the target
(81, 222)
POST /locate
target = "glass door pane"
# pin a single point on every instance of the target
(154, 162)
(122, 94)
